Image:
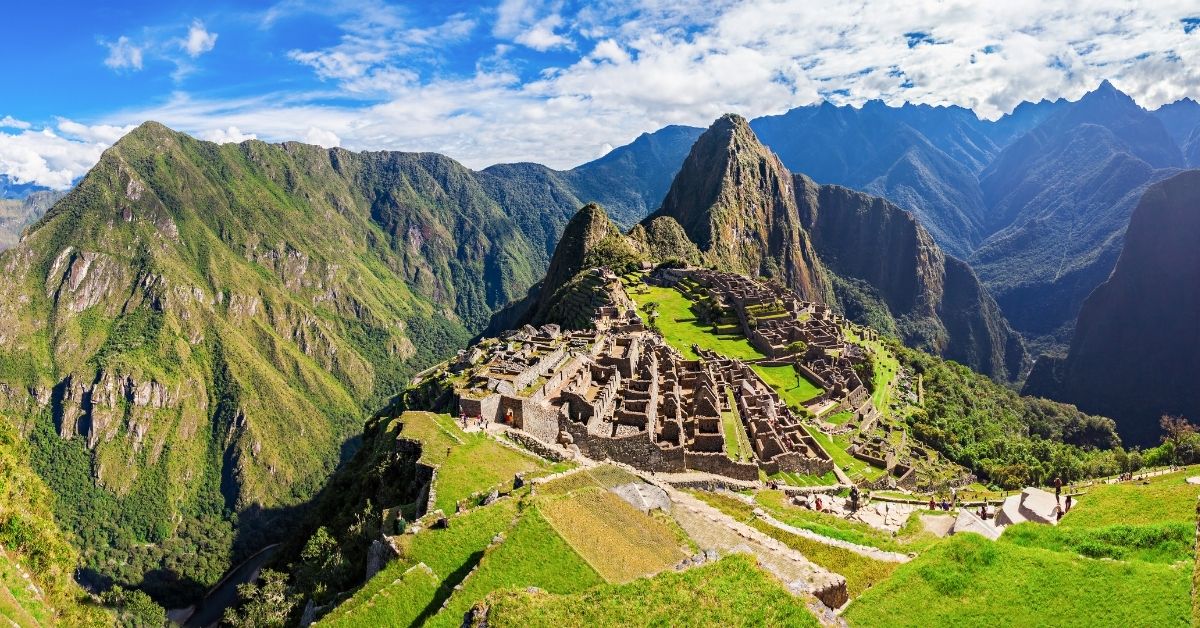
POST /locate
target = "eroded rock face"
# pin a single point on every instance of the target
(98, 408)
(80, 279)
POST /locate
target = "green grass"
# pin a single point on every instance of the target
(967, 580)
(475, 461)
(737, 443)
(794, 391)
(449, 553)
(677, 323)
(1168, 498)
(17, 603)
(730, 592)
(619, 542)
(801, 479)
(836, 446)
(400, 604)
(861, 573)
(841, 418)
(911, 538)
(1158, 543)
(532, 555)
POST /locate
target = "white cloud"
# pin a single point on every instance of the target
(198, 40)
(99, 133)
(9, 122)
(650, 63)
(530, 23)
(230, 135)
(123, 54)
(378, 46)
(541, 35)
(321, 137)
(45, 158)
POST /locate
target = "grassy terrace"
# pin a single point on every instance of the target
(394, 595)
(733, 591)
(966, 580)
(861, 573)
(836, 446)
(469, 463)
(800, 479)
(1167, 498)
(911, 538)
(678, 325)
(794, 391)
(737, 443)
(533, 554)
(619, 542)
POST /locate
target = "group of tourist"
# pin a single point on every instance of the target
(471, 421)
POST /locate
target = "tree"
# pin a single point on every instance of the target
(321, 564)
(134, 608)
(267, 604)
(797, 347)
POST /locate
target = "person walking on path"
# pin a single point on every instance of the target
(1058, 489)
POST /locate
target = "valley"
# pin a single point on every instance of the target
(593, 405)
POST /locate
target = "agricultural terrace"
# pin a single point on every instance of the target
(794, 390)
(861, 573)
(836, 445)
(475, 462)
(968, 580)
(1163, 499)
(531, 554)
(733, 591)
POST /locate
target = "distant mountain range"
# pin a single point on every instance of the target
(17, 214)
(1035, 202)
(734, 206)
(1135, 354)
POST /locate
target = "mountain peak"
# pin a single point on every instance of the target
(1106, 92)
(734, 199)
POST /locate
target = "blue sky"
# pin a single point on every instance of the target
(552, 81)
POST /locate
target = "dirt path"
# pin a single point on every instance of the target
(862, 550)
(712, 529)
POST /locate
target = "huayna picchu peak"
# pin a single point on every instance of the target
(485, 315)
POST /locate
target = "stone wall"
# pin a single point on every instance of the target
(536, 446)
(720, 464)
(485, 407)
(637, 450)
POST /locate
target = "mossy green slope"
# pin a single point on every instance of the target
(36, 560)
(196, 329)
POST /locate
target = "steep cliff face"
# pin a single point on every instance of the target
(1136, 349)
(735, 200)
(937, 302)
(748, 214)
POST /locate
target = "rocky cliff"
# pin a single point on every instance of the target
(1136, 348)
(734, 200)
(746, 213)
(936, 301)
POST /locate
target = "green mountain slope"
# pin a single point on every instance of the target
(36, 559)
(197, 330)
